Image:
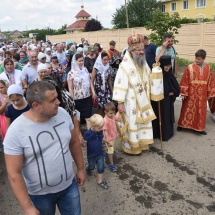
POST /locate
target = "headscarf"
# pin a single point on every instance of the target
(165, 60)
(6, 82)
(79, 49)
(42, 66)
(41, 55)
(169, 78)
(113, 61)
(85, 74)
(14, 89)
(102, 68)
(25, 59)
(10, 75)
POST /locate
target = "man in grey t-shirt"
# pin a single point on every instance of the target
(38, 148)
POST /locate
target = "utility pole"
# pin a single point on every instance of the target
(126, 10)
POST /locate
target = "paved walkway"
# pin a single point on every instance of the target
(178, 181)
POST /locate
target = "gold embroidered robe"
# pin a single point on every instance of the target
(197, 85)
(132, 87)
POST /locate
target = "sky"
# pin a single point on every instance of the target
(26, 15)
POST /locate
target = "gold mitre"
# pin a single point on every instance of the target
(135, 40)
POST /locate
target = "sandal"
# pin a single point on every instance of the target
(89, 172)
(103, 184)
(112, 168)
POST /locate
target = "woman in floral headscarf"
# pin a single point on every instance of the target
(101, 83)
(79, 87)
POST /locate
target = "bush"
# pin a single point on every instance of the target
(212, 66)
(186, 20)
(185, 62)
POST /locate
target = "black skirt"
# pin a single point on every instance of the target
(84, 106)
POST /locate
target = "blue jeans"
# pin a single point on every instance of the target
(98, 161)
(68, 201)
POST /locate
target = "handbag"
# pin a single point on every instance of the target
(95, 102)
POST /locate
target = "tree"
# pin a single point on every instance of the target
(41, 33)
(139, 13)
(61, 30)
(161, 24)
(93, 25)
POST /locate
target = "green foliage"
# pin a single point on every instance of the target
(207, 20)
(61, 30)
(93, 25)
(41, 33)
(139, 12)
(161, 24)
(185, 62)
(212, 66)
(8, 35)
(186, 20)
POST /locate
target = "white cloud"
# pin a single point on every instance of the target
(5, 19)
(26, 14)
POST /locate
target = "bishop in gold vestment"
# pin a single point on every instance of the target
(132, 91)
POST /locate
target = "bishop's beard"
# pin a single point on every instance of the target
(140, 60)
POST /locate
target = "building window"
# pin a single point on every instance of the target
(200, 3)
(185, 5)
(173, 7)
(163, 8)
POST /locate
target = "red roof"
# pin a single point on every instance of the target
(82, 13)
(77, 25)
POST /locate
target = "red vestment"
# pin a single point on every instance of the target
(112, 53)
(197, 85)
(211, 101)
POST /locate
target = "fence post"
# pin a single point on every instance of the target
(202, 37)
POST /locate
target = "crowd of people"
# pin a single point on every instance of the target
(48, 89)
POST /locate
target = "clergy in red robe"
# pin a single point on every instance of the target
(196, 87)
(211, 101)
(112, 51)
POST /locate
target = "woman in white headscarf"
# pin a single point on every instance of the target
(42, 70)
(12, 75)
(79, 51)
(79, 87)
(101, 83)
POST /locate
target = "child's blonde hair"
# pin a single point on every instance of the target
(96, 120)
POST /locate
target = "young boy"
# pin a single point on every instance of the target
(110, 132)
(19, 104)
(196, 88)
(94, 138)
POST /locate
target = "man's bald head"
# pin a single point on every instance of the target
(33, 57)
(59, 47)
